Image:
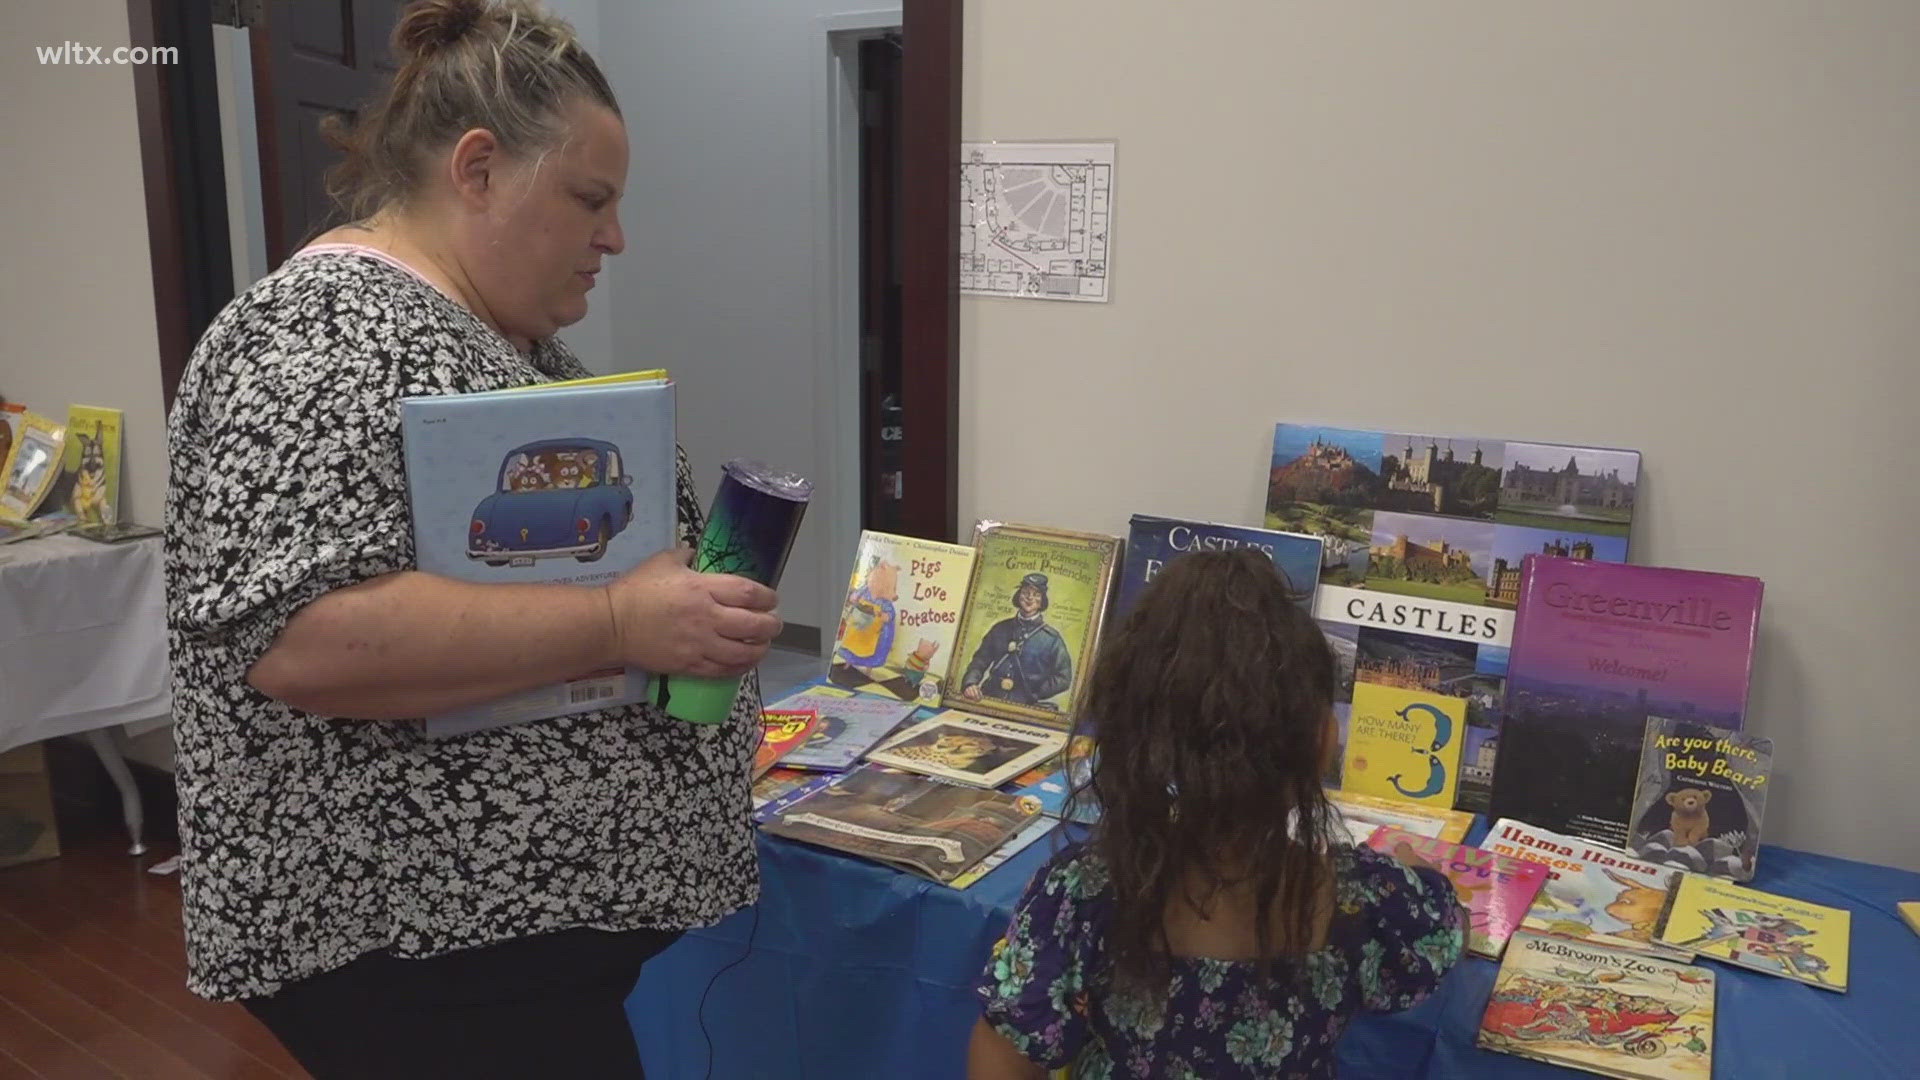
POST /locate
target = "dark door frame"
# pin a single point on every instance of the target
(188, 241)
(178, 115)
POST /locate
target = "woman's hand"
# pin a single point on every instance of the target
(671, 620)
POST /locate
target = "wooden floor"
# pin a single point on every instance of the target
(93, 976)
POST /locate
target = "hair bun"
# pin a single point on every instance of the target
(428, 26)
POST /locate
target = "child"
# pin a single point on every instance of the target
(1215, 923)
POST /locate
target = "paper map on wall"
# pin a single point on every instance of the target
(1034, 219)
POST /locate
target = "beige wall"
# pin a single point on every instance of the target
(1693, 229)
(77, 301)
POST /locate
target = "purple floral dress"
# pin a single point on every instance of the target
(1395, 933)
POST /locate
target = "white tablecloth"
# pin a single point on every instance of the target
(82, 638)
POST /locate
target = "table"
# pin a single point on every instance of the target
(857, 970)
(83, 649)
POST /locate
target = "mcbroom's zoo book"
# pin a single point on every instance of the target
(557, 483)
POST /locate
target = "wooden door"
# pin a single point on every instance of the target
(311, 59)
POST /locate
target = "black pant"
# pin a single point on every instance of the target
(552, 1005)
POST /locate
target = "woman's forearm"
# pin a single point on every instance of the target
(413, 644)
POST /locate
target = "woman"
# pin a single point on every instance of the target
(389, 905)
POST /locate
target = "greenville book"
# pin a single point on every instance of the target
(1154, 541)
(555, 483)
(1423, 536)
(1600, 648)
(848, 727)
(1592, 893)
(981, 751)
(1497, 890)
(1778, 935)
(929, 827)
(1601, 1010)
(901, 613)
(1699, 798)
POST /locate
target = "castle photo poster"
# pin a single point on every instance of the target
(1423, 537)
(1031, 622)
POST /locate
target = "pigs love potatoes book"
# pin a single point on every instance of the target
(563, 483)
(902, 610)
(1598, 648)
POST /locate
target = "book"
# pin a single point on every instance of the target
(1592, 893)
(1403, 744)
(1778, 935)
(1030, 626)
(1698, 800)
(32, 465)
(1423, 536)
(1910, 911)
(1601, 1010)
(1037, 830)
(780, 780)
(1599, 649)
(924, 826)
(1362, 814)
(781, 730)
(902, 610)
(1054, 788)
(552, 484)
(980, 751)
(1153, 541)
(1497, 890)
(118, 532)
(786, 794)
(88, 489)
(14, 531)
(849, 726)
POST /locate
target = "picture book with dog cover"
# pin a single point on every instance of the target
(928, 827)
(901, 614)
(1592, 893)
(87, 491)
(980, 751)
(550, 483)
(1700, 795)
(1601, 1010)
(1497, 890)
(1597, 650)
(1778, 935)
(1152, 542)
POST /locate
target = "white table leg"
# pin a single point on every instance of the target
(103, 743)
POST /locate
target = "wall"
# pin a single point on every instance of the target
(717, 284)
(1690, 229)
(76, 283)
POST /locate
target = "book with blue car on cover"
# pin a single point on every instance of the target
(556, 483)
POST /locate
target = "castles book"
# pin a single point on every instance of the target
(1699, 799)
(1601, 1011)
(1423, 538)
(901, 613)
(554, 483)
(1592, 893)
(1777, 935)
(1598, 649)
(1153, 541)
(1495, 889)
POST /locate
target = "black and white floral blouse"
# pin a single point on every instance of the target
(307, 840)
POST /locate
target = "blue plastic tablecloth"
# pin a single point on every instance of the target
(857, 970)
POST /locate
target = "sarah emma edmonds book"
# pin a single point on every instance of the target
(1598, 649)
(902, 610)
(1601, 1010)
(1420, 571)
(558, 483)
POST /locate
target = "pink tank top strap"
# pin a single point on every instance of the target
(360, 249)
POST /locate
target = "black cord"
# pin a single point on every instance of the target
(701, 1013)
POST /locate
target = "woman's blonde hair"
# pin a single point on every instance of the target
(503, 65)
